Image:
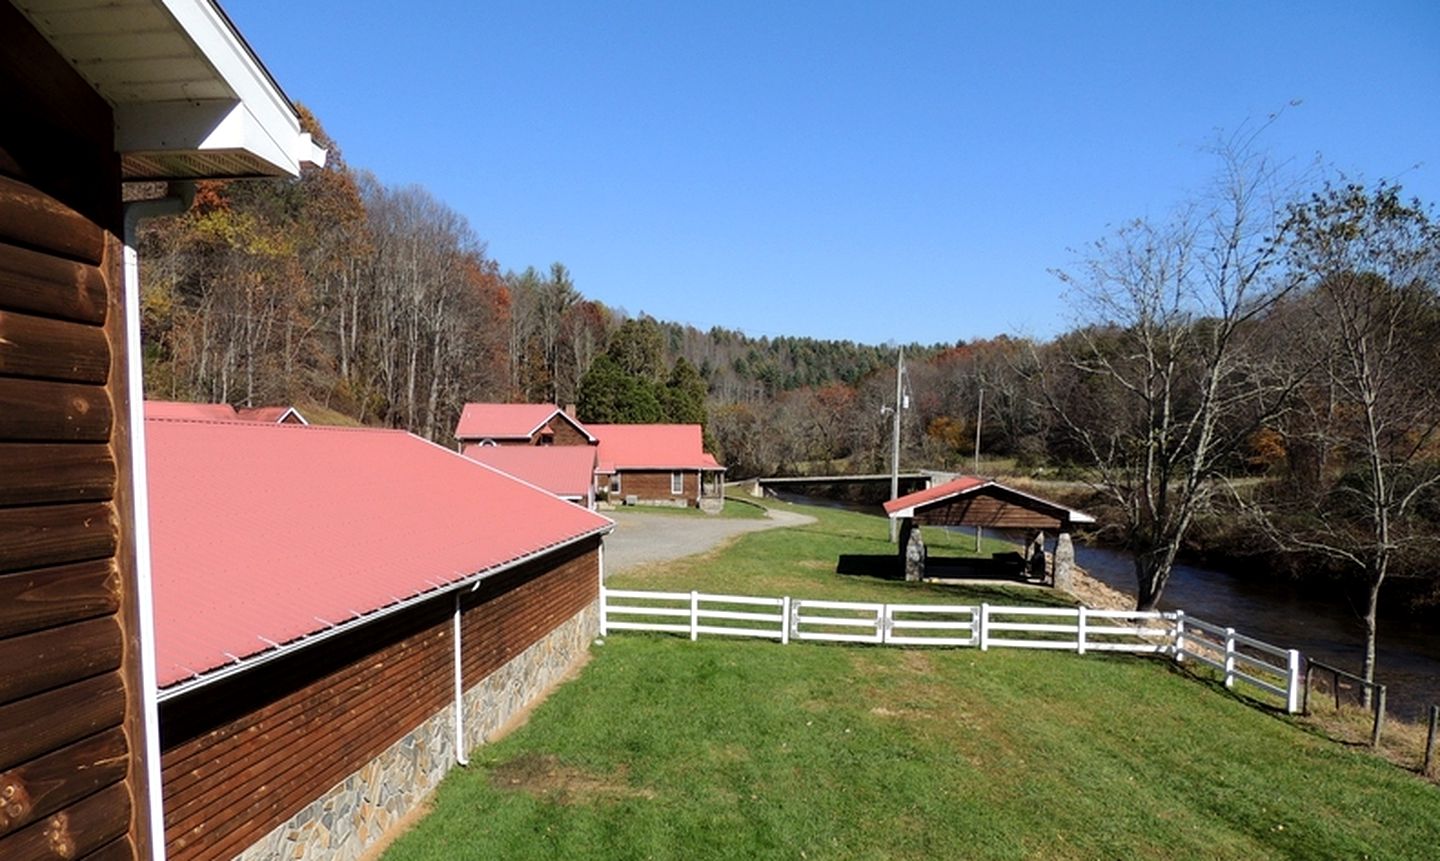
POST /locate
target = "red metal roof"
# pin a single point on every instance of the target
(263, 534)
(955, 487)
(187, 410)
(564, 470)
(905, 506)
(269, 414)
(217, 412)
(507, 421)
(652, 447)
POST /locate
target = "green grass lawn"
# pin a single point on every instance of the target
(802, 562)
(735, 508)
(664, 748)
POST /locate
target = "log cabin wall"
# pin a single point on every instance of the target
(70, 764)
(243, 756)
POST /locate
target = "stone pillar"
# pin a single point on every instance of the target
(1035, 557)
(1064, 563)
(912, 548)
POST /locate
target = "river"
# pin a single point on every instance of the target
(1283, 613)
(1280, 612)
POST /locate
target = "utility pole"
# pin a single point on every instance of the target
(979, 414)
(895, 448)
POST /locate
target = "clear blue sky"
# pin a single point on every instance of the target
(872, 171)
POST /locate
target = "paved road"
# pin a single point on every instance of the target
(642, 538)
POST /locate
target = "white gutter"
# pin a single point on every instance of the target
(244, 664)
(140, 493)
(461, 756)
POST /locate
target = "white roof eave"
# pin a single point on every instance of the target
(260, 123)
(191, 100)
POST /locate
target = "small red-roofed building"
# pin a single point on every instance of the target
(658, 465)
(341, 614)
(980, 503)
(568, 471)
(642, 464)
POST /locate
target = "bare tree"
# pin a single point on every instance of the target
(1157, 388)
(1363, 442)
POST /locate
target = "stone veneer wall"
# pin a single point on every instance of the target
(341, 824)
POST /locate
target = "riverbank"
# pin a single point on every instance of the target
(1223, 540)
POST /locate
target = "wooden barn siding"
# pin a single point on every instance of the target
(69, 687)
(652, 484)
(245, 754)
(990, 511)
(510, 613)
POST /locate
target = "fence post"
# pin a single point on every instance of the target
(1292, 682)
(1309, 673)
(984, 627)
(794, 621)
(1229, 657)
(1080, 631)
(604, 618)
(1379, 716)
(1179, 636)
(785, 621)
(694, 615)
(884, 622)
(1335, 686)
(1430, 740)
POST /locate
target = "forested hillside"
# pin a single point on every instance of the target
(381, 303)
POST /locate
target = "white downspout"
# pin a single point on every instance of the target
(461, 756)
(140, 492)
(600, 564)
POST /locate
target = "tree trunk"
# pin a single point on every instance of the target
(1371, 620)
(1150, 578)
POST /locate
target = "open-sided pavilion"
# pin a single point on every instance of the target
(969, 501)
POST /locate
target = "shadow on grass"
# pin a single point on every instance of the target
(881, 567)
(1000, 570)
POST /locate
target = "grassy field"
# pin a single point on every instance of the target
(664, 748)
(735, 509)
(802, 562)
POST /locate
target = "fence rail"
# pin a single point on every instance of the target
(1237, 657)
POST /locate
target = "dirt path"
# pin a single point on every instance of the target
(642, 538)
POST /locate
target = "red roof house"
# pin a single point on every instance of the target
(344, 604)
(520, 424)
(657, 464)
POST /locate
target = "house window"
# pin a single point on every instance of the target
(615, 483)
(677, 483)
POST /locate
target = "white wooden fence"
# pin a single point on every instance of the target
(1078, 629)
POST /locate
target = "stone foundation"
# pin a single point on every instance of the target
(341, 824)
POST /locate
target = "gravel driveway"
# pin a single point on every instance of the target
(641, 538)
